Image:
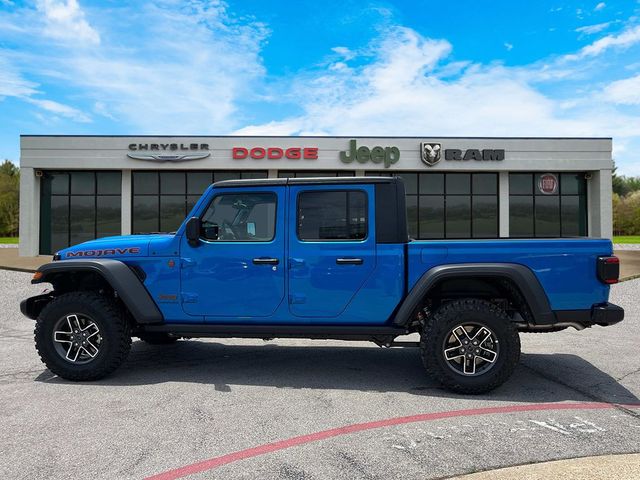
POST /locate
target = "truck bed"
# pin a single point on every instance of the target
(565, 267)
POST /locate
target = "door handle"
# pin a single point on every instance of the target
(349, 261)
(266, 261)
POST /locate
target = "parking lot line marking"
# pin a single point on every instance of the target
(216, 462)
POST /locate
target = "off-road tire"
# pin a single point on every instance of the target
(439, 325)
(157, 338)
(113, 326)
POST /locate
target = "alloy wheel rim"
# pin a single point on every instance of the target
(470, 349)
(77, 338)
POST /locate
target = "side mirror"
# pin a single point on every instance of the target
(210, 233)
(193, 231)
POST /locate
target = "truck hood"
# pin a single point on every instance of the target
(115, 247)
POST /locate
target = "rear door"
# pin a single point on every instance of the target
(241, 274)
(332, 248)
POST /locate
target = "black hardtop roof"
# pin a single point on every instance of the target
(267, 182)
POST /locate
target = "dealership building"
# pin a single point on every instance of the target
(77, 188)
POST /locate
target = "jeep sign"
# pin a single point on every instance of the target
(388, 155)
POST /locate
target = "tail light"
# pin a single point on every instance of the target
(608, 269)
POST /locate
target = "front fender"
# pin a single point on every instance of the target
(117, 274)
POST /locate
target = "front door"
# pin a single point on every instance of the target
(331, 247)
(241, 273)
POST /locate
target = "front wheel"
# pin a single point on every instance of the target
(82, 336)
(470, 346)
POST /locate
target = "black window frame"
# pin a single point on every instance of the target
(535, 195)
(338, 190)
(186, 196)
(69, 195)
(444, 195)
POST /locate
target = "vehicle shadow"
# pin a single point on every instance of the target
(538, 378)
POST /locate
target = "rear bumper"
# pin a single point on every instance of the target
(603, 314)
(606, 314)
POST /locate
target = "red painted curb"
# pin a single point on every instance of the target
(359, 427)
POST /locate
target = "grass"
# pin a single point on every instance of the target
(17, 239)
(627, 239)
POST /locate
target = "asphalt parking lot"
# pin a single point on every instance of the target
(308, 409)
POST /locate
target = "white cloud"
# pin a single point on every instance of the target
(65, 20)
(403, 92)
(625, 91)
(344, 52)
(600, 6)
(171, 67)
(59, 109)
(508, 46)
(591, 29)
(627, 38)
(11, 82)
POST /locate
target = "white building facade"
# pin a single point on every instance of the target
(76, 188)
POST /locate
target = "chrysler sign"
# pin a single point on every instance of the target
(178, 151)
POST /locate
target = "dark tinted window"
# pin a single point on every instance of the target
(172, 212)
(82, 218)
(547, 204)
(109, 183)
(521, 216)
(83, 183)
(484, 215)
(458, 212)
(520, 184)
(458, 183)
(243, 217)
(145, 183)
(450, 205)
(162, 200)
(547, 216)
(108, 216)
(198, 182)
(485, 184)
(146, 214)
(78, 206)
(432, 183)
(172, 183)
(432, 216)
(332, 215)
(59, 183)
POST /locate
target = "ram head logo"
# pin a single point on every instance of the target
(430, 153)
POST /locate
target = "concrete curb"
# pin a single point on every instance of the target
(17, 269)
(618, 467)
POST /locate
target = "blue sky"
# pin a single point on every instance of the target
(425, 68)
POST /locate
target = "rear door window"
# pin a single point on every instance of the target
(332, 215)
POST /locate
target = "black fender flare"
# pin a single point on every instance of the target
(521, 275)
(117, 274)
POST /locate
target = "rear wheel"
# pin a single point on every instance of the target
(470, 346)
(82, 336)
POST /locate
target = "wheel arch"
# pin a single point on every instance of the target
(70, 275)
(518, 281)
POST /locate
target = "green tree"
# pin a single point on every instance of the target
(9, 199)
(623, 185)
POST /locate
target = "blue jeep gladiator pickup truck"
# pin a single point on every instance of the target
(318, 258)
